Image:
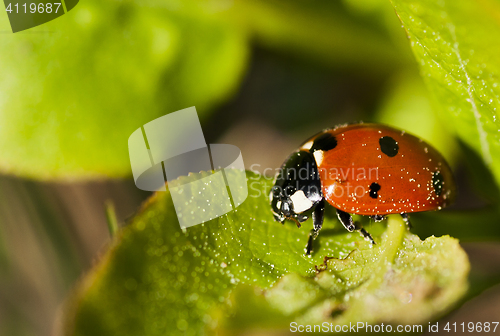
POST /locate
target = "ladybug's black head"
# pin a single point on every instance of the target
(297, 189)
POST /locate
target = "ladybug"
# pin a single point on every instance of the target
(365, 169)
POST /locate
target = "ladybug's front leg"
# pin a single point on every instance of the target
(317, 216)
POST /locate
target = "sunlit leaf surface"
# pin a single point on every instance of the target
(456, 46)
(245, 267)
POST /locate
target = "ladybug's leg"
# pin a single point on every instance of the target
(346, 220)
(348, 223)
(406, 218)
(317, 216)
(378, 218)
(367, 236)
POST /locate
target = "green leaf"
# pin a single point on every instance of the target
(456, 46)
(403, 281)
(157, 279)
(73, 90)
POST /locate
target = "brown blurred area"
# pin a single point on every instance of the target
(51, 233)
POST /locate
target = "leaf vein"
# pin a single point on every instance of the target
(485, 148)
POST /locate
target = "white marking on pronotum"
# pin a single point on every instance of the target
(278, 205)
(271, 196)
(300, 202)
(307, 145)
(319, 155)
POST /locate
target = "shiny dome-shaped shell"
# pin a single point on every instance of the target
(371, 169)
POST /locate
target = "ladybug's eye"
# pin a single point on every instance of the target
(275, 192)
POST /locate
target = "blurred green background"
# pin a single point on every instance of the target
(263, 76)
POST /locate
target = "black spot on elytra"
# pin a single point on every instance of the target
(374, 188)
(324, 142)
(437, 182)
(389, 146)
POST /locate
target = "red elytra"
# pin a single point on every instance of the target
(376, 170)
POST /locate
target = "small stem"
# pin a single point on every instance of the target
(111, 218)
(392, 241)
(393, 238)
(396, 228)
